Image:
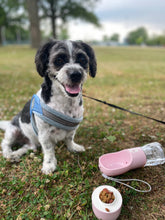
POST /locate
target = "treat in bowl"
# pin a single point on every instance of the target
(106, 196)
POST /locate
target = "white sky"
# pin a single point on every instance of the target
(121, 16)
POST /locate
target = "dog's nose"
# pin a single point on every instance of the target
(76, 76)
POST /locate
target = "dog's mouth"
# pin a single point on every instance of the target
(72, 90)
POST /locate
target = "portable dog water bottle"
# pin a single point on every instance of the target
(113, 164)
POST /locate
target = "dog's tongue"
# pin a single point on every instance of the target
(75, 89)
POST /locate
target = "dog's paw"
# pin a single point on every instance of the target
(11, 157)
(7, 153)
(14, 157)
(76, 148)
(48, 168)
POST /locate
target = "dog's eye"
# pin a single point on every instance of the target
(60, 60)
(82, 60)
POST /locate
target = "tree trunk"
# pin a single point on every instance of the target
(53, 18)
(0, 36)
(32, 7)
(54, 27)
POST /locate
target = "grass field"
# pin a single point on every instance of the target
(130, 77)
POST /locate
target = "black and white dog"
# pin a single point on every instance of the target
(64, 66)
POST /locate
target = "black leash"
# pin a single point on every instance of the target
(123, 109)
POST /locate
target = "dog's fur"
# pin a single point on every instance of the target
(64, 66)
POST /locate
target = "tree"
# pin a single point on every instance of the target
(156, 41)
(3, 22)
(106, 38)
(32, 8)
(9, 15)
(66, 9)
(16, 33)
(115, 37)
(138, 37)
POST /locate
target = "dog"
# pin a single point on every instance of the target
(64, 65)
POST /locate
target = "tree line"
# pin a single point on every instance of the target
(138, 36)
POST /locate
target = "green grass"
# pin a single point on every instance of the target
(130, 77)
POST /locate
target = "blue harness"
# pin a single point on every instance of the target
(51, 116)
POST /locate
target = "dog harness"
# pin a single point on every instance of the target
(51, 116)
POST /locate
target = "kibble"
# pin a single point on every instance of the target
(106, 196)
(106, 209)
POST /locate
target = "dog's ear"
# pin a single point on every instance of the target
(92, 59)
(42, 57)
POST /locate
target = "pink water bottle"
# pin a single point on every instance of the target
(113, 164)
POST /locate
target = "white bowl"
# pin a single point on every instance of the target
(105, 211)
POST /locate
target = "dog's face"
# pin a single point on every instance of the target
(65, 64)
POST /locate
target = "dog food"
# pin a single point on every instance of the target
(106, 196)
